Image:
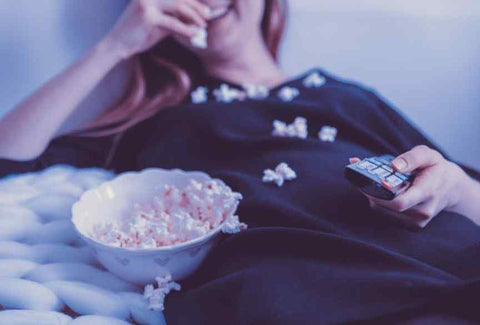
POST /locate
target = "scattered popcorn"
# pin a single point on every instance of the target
(270, 176)
(278, 176)
(200, 39)
(175, 216)
(298, 129)
(156, 297)
(287, 94)
(199, 95)
(286, 172)
(225, 94)
(256, 91)
(327, 134)
(315, 80)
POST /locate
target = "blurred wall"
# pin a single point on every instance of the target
(40, 38)
(422, 55)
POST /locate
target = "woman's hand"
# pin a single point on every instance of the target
(146, 22)
(25, 131)
(439, 185)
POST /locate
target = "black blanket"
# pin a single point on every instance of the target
(314, 252)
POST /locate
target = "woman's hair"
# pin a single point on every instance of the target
(164, 76)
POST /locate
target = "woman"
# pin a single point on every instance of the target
(316, 251)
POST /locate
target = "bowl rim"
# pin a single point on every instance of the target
(177, 247)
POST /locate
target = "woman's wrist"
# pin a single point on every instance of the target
(468, 199)
(111, 51)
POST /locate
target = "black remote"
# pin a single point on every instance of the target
(376, 177)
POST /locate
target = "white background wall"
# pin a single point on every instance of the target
(424, 56)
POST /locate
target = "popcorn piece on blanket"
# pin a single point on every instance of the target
(298, 129)
(278, 176)
(199, 95)
(156, 297)
(328, 134)
(256, 91)
(200, 39)
(225, 94)
(287, 94)
(314, 80)
(176, 216)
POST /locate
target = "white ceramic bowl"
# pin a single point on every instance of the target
(116, 198)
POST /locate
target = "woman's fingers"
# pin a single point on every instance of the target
(178, 27)
(172, 24)
(420, 191)
(419, 157)
(416, 194)
(413, 196)
(423, 211)
(419, 215)
(418, 204)
(185, 11)
(201, 8)
(182, 17)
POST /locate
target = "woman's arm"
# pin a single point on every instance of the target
(469, 200)
(27, 130)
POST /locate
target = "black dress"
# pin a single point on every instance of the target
(314, 252)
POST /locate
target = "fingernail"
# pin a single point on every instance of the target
(399, 164)
(386, 185)
(354, 160)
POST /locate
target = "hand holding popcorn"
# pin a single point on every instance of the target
(146, 22)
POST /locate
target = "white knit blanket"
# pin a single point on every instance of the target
(47, 274)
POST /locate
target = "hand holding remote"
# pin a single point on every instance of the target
(438, 185)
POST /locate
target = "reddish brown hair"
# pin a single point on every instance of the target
(163, 77)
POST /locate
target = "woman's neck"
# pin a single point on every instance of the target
(251, 65)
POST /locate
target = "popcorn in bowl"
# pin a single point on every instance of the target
(157, 221)
(175, 216)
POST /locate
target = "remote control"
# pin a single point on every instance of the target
(376, 177)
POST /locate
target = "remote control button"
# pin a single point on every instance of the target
(375, 161)
(394, 180)
(366, 165)
(380, 172)
(403, 177)
(388, 158)
(387, 167)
